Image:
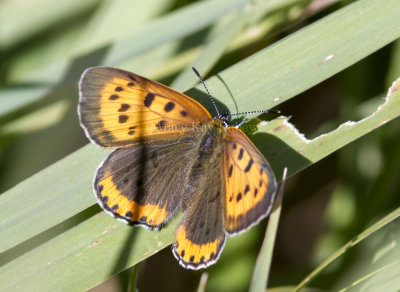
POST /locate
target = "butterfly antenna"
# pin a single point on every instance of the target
(209, 95)
(257, 112)
(253, 112)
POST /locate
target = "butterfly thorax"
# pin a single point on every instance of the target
(211, 140)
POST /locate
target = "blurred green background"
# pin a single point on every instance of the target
(46, 44)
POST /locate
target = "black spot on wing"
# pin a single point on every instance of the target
(230, 170)
(161, 124)
(247, 169)
(122, 119)
(131, 132)
(240, 156)
(169, 106)
(124, 107)
(148, 100)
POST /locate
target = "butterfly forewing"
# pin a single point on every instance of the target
(250, 184)
(119, 109)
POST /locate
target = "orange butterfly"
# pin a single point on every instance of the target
(171, 154)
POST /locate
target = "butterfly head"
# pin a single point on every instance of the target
(223, 119)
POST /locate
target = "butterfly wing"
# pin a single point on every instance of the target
(250, 184)
(199, 243)
(200, 236)
(119, 109)
(133, 185)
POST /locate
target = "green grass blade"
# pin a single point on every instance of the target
(108, 22)
(386, 278)
(84, 256)
(194, 17)
(301, 152)
(262, 267)
(203, 282)
(49, 197)
(66, 70)
(14, 98)
(309, 56)
(117, 20)
(42, 15)
(224, 31)
(375, 227)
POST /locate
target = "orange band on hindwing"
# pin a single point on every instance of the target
(193, 255)
(111, 199)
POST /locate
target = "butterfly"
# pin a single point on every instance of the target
(170, 154)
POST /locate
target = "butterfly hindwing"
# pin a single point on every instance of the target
(195, 250)
(118, 108)
(200, 236)
(250, 184)
(132, 183)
